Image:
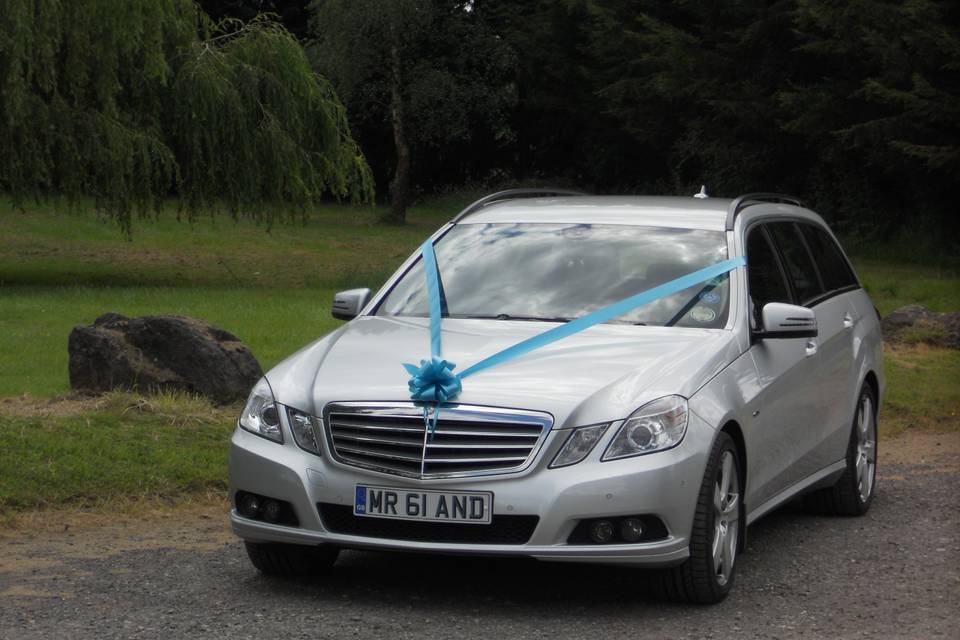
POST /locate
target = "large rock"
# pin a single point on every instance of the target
(161, 352)
(915, 323)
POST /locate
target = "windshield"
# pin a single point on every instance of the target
(558, 272)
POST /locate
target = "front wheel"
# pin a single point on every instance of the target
(707, 575)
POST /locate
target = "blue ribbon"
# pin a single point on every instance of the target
(434, 381)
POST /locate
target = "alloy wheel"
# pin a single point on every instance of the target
(726, 505)
(866, 447)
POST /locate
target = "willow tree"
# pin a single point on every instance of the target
(133, 102)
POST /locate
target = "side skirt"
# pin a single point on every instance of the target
(823, 478)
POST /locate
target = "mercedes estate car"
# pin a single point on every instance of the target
(652, 439)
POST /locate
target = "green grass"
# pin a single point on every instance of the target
(273, 289)
(37, 320)
(923, 389)
(896, 284)
(118, 447)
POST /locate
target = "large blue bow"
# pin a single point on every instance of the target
(433, 380)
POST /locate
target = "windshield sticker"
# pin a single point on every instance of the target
(710, 297)
(703, 314)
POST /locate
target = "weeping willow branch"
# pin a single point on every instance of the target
(134, 102)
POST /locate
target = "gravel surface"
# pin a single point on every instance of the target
(892, 573)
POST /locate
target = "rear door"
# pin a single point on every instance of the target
(787, 374)
(836, 316)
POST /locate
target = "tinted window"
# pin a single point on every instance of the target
(800, 267)
(562, 271)
(834, 270)
(766, 283)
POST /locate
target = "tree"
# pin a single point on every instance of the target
(427, 73)
(879, 95)
(131, 103)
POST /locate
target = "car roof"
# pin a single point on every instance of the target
(662, 211)
(654, 211)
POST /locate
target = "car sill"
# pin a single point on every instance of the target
(834, 469)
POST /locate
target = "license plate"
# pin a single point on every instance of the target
(431, 506)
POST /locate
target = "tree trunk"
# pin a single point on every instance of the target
(400, 185)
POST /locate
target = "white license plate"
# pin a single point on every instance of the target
(434, 506)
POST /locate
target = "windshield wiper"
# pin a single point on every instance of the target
(507, 316)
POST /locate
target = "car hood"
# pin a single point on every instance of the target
(603, 373)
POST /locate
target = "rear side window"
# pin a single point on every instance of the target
(799, 264)
(834, 269)
(765, 278)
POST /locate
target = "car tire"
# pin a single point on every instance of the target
(853, 492)
(274, 559)
(706, 577)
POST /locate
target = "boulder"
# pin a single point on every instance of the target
(152, 353)
(914, 323)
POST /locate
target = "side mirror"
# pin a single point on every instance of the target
(347, 304)
(787, 321)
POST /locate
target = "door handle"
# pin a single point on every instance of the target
(847, 320)
(811, 347)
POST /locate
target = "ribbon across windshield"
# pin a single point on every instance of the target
(433, 382)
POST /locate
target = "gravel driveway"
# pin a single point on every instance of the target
(893, 573)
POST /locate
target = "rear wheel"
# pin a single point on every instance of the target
(707, 575)
(853, 492)
(277, 559)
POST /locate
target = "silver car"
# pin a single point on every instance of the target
(652, 438)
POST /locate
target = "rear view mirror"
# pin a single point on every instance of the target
(787, 321)
(348, 304)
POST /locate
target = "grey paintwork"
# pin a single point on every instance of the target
(794, 424)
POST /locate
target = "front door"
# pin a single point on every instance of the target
(787, 374)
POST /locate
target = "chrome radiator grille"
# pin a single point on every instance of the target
(468, 440)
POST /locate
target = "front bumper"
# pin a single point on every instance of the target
(664, 484)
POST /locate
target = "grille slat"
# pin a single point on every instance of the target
(353, 424)
(379, 453)
(478, 445)
(467, 441)
(389, 441)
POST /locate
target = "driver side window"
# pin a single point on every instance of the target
(765, 279)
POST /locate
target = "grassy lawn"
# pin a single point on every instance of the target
(273, 289)
(119, 446)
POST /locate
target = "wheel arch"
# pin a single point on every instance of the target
(871, 379)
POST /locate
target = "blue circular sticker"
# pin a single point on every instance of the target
(710, 297)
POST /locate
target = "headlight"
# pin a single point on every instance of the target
(304, 428)
(578, 445)
(655, 426)
(261, 415)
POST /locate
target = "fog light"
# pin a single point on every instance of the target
(250, 505)
(601, 531)
(631, 529)
(271, 511)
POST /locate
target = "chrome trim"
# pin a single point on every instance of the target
(529, 425)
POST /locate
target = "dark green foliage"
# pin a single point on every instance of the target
(853, 105)
(128, 104)
(427, 83)
(880, 94)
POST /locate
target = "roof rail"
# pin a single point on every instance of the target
(747, 199)
(512, 194)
